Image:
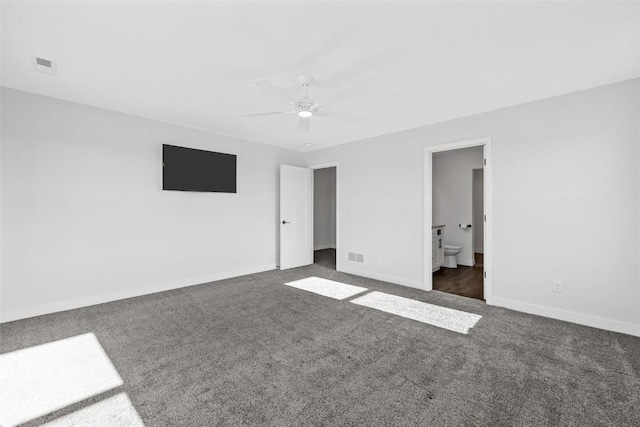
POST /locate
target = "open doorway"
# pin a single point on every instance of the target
(453, 221)
(296, 223)
(324, 217)
(457, 218)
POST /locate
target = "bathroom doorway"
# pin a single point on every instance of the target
(453, 174)
(324, 217)
(454, 197)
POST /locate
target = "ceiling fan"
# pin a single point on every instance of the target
(306, 107)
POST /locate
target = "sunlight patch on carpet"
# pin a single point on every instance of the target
(327, 288)
(38, 380)
(114, 411)
(442, 317)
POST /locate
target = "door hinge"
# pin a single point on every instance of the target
(484, 161)
(485, 218)
(485, 274)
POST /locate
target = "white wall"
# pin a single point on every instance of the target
(85, 220)
(478, 210)
(453, 197)
(324, 208)
(566, 203)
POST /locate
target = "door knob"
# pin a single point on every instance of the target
(285, 222)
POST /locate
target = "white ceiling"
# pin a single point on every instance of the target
(417, 63)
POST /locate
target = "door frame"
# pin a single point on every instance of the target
(474, 225)
(488, 209)
(325, 166)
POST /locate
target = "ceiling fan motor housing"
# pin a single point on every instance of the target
(305, 106)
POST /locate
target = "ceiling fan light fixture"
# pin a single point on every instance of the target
(305, 107)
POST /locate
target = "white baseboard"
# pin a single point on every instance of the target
(39, 310)
(467, 262)
(569, 316)
(478, 251)
(383, 277)
(320, 247)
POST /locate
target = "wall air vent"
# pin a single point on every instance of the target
(44, 62)
(43, 65)
(355, 257)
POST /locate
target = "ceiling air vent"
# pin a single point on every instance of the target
(43, 65)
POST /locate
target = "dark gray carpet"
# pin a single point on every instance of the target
(250, 351)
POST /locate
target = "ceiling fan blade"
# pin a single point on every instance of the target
(339, 115)
(303, 124)
(274, 90)
(339, 95)
(266, 113)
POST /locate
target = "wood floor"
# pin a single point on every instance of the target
(464, 281)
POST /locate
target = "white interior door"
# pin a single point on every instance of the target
(296, 226)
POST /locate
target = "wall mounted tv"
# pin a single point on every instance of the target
(189, 169)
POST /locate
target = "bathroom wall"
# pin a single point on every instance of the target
(453, 197)
(478, 210)
(324, 208)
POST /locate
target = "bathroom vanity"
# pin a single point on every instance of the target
(437, 247)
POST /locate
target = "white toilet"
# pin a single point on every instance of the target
(450, 253)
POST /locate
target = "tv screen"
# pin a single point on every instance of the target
(189, 169)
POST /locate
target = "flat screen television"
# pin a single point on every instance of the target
(189, 169)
